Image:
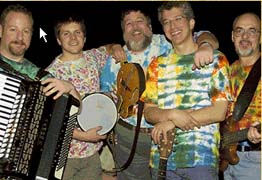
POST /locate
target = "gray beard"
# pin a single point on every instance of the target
(244, 53)
(140, 45)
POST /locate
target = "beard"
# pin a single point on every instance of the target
(139, 45)
(244, 53)
(17, 51)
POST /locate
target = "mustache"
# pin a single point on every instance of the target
(18, 42)
(138, 30)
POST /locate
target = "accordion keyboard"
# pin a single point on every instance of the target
(10, 110)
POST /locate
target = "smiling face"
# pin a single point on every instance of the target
(71, 38)
(137, 31)
(246, 35)
(16, 33)
(176, 26)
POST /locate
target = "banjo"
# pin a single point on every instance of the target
(98, 109)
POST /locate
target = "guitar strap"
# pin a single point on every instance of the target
(41, 73)
(133, 150)
(137, 128)
(247, 92)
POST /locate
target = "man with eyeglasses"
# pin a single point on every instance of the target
(189, 103)
(142, 46)
(246, 38)
(252, 32)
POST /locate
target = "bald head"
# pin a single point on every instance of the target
(250, 17)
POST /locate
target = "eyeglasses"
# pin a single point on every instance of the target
(252, 32)
(177, 19)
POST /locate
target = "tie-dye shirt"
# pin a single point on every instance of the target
(158, 46)
(83, 73)
(171, 83)
(238, 75)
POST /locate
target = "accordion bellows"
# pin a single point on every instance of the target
(35, 130)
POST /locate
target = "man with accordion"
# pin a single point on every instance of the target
(34, 96)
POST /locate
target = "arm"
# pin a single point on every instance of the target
(211, 114)
(208, 37)
(186, 119)
(90, 135)
(167, 119)
(116, 51)
(179, 118)
(207, 42)
(59, 87)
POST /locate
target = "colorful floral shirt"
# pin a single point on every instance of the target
(171, 83)
(84, 74)
(238, 75)
(158, 46)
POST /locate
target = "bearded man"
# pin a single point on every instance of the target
(142, 46)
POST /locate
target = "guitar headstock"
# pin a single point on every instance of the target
(166, 149)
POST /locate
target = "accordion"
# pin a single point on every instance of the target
(35, 130)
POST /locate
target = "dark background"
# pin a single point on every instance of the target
(102, 20)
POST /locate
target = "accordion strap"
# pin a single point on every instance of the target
(247, 92)
(41, 73)
(8, 68)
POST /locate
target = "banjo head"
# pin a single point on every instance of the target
(97, 110)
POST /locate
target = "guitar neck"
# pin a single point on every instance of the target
(162, 169)
(230, 138)
(234, 137)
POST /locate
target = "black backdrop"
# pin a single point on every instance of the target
(103, 22)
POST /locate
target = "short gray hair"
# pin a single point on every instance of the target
(185, 6)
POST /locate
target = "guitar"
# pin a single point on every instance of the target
(230, 136)
(130, 86)
(165, 150)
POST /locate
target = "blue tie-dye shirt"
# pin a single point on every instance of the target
(158, 47)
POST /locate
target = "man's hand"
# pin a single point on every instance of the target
(253, 135)
(91, 135)
(160, 130)
(203, 56)
(118, 53)
(183, 120)
(59, 87)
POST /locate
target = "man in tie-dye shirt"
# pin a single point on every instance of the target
(142, 46)
(192, 102)
(246, 36)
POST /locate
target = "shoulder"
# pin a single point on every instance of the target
(101, 49)
(220, 57)
(30, 64)
(235, 63)
(160, 45)
(236, 66)
(160, 40)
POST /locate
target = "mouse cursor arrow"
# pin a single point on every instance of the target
(43, 34)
